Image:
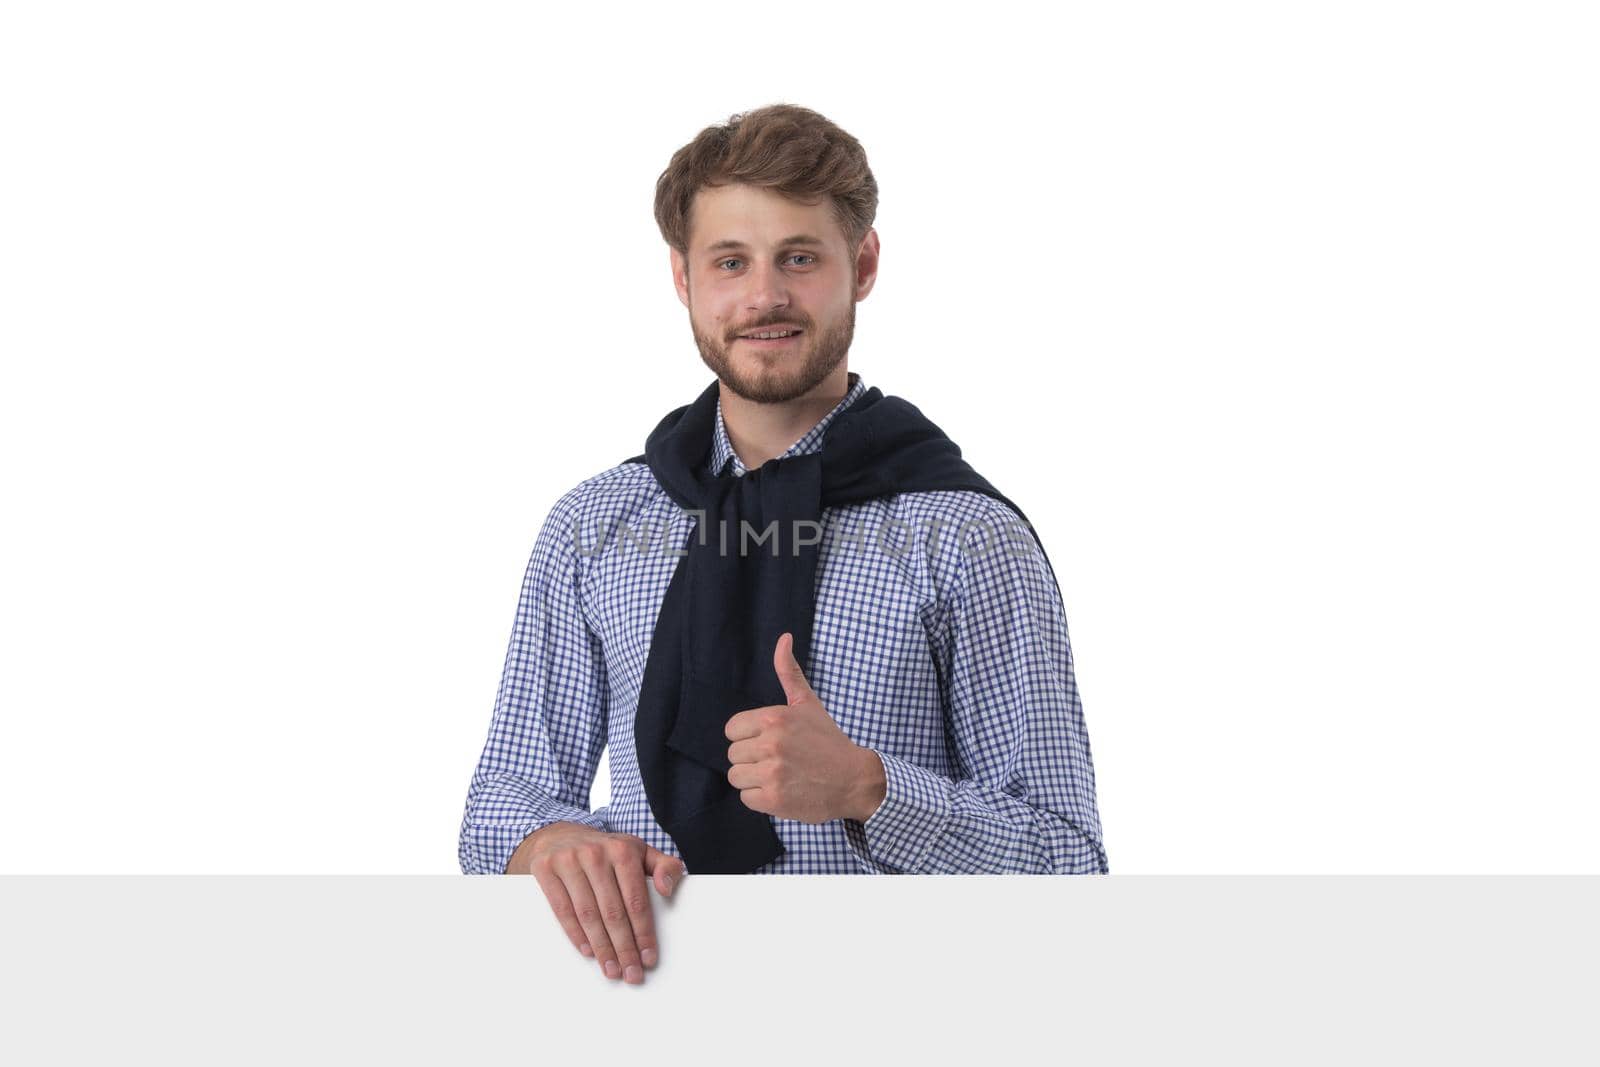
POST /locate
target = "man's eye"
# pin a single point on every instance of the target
(734, 259)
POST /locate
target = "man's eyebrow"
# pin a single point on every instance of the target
(797, 239)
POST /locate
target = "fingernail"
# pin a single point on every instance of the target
(585, 949)
(634, 973)
(649, 957)
(612, 970)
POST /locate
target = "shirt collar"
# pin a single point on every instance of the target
(722, 451)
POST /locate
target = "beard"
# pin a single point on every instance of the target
(776, 378)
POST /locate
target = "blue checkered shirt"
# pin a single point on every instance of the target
(949, 661)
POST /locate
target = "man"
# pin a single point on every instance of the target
(883, 695)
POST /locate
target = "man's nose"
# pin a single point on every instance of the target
(768, 289)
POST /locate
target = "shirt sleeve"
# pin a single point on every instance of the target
(1023, 800)
(549, 722)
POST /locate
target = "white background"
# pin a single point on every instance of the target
(1279, 322)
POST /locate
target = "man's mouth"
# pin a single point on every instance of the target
(771, 338)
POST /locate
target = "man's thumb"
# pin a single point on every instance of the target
(665, 871)
(793, 679)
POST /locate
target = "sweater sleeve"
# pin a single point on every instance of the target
(549, 724)
(1023, 800)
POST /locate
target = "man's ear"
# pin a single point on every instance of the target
(867, 264)
(680, 276)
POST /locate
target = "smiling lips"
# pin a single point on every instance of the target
(760, 342)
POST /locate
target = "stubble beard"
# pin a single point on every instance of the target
(781, 377)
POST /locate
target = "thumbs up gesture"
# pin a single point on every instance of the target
(792, 761)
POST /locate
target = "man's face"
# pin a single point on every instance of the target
(745, 273)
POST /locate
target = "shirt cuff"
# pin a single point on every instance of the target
(496, 843)
(897, 838)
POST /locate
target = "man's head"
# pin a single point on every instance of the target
(769, 219)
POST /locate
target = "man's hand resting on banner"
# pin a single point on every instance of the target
(595, 882)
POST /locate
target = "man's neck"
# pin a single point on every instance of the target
(759, 432)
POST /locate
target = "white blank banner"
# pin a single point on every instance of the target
(448, 969)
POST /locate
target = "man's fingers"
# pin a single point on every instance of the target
(561, 903)
(600, 867)
(586, 908)
(665, 871)
(636, 898)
